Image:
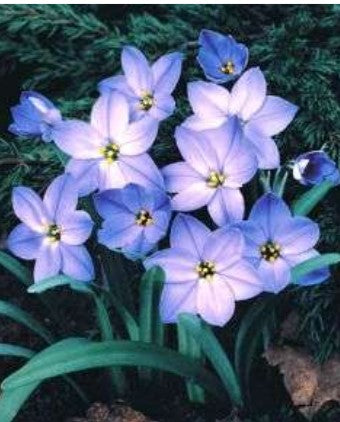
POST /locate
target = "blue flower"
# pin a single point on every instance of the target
(109, 152)
(135, 219)
(205, 272)
(220, 56)
(216, 165)
(315, 167)
(147, 88)
(276, 241)
(52, 231)
(34, 116)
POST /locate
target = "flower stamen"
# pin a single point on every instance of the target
(146, 102)
(228, 68)
(215, 179)
(53, 233)
(110, 152)
(206, 270)
(270, 251)
(144, 218)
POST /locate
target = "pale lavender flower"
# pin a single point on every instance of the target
(261, 116)
(109, 152)
(276, 241)
(220, 56)
(52, 231)
(217, 163)
(135, 219)
(34, 116)
(147, 88)
(204, 272)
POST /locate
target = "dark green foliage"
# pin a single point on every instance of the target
(63, 51)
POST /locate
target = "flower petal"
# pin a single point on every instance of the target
(193, 197)
(77, 262)
(78, 139)
(177, 298)
(76, 227)
(215, 301)
(61, 196)
(110, 202)
(248, 94)
(119, 231)
(196, 123)
(139, 136)
(275, 275)
(264, 147)
(163, 108)
(166, 72)
(179, 176)
(189, 233)
(139, 247)
(211, 65)
(297, 235)
(24, 242)
(116, 83)
(208, 100)
(274, 116)
(110, 115)
(48, 262)
(111, 175)
(243, 279)
(178, 264)
(141, 169)
(137, 70)
(30, 209)
(254, 238)
(226, 206)
(85, 174)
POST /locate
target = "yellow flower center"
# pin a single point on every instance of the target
(110, 152)
(215, 179)
(53, 233)
(270, 251)
(144, 218)
(228, 68)
(146, 102)
(206, 270)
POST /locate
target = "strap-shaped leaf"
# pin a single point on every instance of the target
(15, 351)
(305, 204)
(64, 359)
(313, 264)
(211, 347)
(16, 268)
(58, 281)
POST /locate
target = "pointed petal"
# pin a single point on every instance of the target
(110, 202)
(77, 262)
(208, 100)
(85, 174)
(116, 83)
(78, 139)
(248, 94)
(254, 237)
(76, 227)
(137, 70)
(193, 197)
(178, 298)
(139, 136)
(119, 231)
(179, 176)
(274, 116)
(189, 233)
(194, 122)
(61, 196)
(48, 262)
(226, 206)
(110, 115)
(297, 235)
(111, 175)
(264, 147)
(163, 108)
(275, 275)
(29, 208)
(166, 72)
(24, 242)
(215, 301)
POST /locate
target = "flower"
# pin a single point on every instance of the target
(204, 272)
(135, 218)
(314, 167)
(109, 152)
(147, 88)
(261, 116)
(34, 116)
(217, 163)
(220, 56)
(276, 241)
(52, 231)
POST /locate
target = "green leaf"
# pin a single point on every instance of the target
(17, 351)
(24, 318)
(313, 264)
(12, 401)
(311, 198)
(54, 361)
(204, 336)
(58, 281)
(16, 268)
